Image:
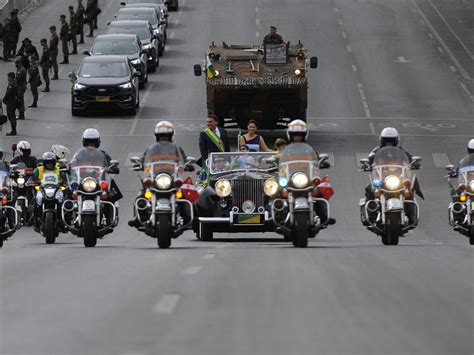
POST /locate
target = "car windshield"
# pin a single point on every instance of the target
(146, 16)
(107, 46)
(161, 157)
(87, 162)
(142, 32)
(390, 161)
(466, 169)
(159, 2)
(241, 161)
(104, 70)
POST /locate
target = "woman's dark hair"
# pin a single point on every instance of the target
(252, 121)
(279, 142)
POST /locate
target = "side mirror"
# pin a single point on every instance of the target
(13, 166)
(450, 167)
(69, 75)
(323, 157)
(189, 167)
(114, 163)
(197, 70)
(313, 62)
(415, 159)
(135, 160)
(136, 74)
(86, 52)
(162, 23)
(364, 161)
(191, 160)
(123, 3)
(14, 147)
(108, 23)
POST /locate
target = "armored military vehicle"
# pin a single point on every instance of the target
(267, 83)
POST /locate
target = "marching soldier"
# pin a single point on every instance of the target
(80, 20)
(53, 49)
(10, 100)
(45, 63)
(273, 37)
(16, 29)
(64, 37)
(96, 13)
(90, 12)
(21, 83)
(35, 80)
(73, 29)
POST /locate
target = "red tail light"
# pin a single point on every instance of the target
(104, 185)
(316, 181)
(147, 182)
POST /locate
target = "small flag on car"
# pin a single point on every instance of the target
(211, 71)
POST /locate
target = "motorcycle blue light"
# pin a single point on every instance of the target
(203, 176)
(283, 181)
(377, 183)
(74, 186)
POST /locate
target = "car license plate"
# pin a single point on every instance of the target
(102, 99)
(249, 219)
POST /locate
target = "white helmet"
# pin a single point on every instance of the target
(164, 128)
(297, 127)
(24, 145)
(91, 137)
(470, 146)
(60, 151)
(389, 135)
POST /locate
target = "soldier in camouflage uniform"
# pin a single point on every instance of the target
(80, 20)
(35, 80)
(91, 10)
(16, 29)
(273, 37)
(64, 37)
(73, 29)
(10, 100)
(45, 63)
(21, 83)
(54, 50)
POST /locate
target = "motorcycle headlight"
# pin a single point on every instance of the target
(163, 181)
(392, 182)
(300, 180)
(126, 86)
(270, 187)
(20, 180)
(136, 61)
(49, 192)
(78, 86)
(89, 184)
(471, 186)
(223, 188)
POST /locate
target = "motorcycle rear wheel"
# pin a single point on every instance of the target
(48, 229)
(164, 231)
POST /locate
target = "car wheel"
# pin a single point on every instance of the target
(75, 112)
(137, 105)
(141, 84)
(205, 232)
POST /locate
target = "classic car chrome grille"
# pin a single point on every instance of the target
(247, 189)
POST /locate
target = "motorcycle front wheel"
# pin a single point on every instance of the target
(88, 230)
(392, 231)
(48, 229)
(300, 230)
(164, 231)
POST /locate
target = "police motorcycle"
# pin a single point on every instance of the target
(393, 209)
(90, 213)
(302, 208)
(9, 218)
(21, 191)
(49, 199)
(461, 209)
(162, 212)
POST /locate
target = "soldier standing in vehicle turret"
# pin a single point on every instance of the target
(273, 37)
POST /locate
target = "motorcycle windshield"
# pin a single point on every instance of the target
(240, 161)
(466, 170)
(390, 161)
(161, 158)
(88, 162)
(298, 157)
(50, 178)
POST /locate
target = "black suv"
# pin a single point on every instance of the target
(144, 31)
(105, 82)
(128, 45)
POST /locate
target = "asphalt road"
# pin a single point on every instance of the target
(382, 63)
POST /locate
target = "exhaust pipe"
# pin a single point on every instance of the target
(278, 205)
(68, 206)
(141, 204)
(372, 206)
(458, 207)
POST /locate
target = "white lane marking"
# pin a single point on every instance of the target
(344, 35)
(453, 69)
(256, 10)
(139, 114)
(208, 256)
(177, 21)
(440, 160)
(167, 303)
(349, 48)
(458, 65)
(402, 60)
(257, 34)
(372, 128)
(440, 50)
(172, 33)
(467, 91)
(360, 156)
(363, 99)
(451, 29)
(257, 21)
(192, 270)
(354, 67)
(339, 21)
(222, 246)
(129, 156)
(167, 47)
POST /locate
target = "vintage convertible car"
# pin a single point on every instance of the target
(237, 198)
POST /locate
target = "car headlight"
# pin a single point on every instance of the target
(163, 181)
(78, 86)
(392, 182)
(300, 180)
(136, 61)
(223, 188)
(20, 180)
(270, 187)
(471, 186)
(89, 184)
(126, 86)
(147, 47)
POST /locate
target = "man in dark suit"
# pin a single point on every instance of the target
(213, 139)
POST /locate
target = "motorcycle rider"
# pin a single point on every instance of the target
(454, 174)
(49, 165)
(164, 135)
(297, 133)
(91, 138)
(389, 137)
(25, 157)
